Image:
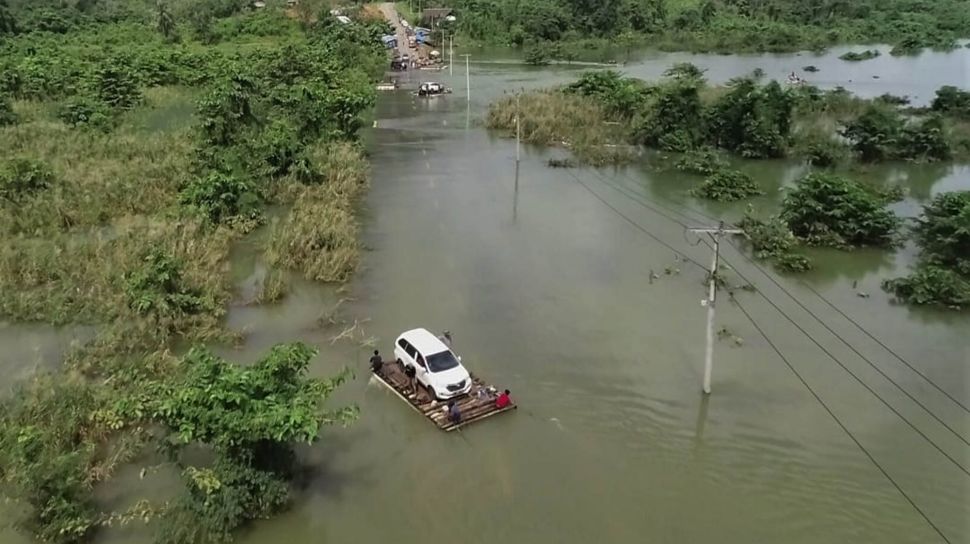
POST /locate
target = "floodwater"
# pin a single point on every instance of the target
(574, 288)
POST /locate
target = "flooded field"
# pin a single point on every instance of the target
(576, 289)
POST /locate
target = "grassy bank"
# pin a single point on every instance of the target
(142, 140)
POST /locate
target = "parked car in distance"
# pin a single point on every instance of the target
(436, 367)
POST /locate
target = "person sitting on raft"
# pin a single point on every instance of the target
(503, 400)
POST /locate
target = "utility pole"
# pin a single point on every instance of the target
(518, 145)
(468, 80)
(451, 54)
(715, 234)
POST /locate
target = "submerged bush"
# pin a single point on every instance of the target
(931, 285)
(856, 56)
(703, 160)
(157, 288)
(820, 149)
(772, 240)
(943, 231)
(952, 100)
(829, 210)
(727, 186)
(752, 120)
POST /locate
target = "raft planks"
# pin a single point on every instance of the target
(472, 408)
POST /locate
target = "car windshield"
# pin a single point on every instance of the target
(439, 362)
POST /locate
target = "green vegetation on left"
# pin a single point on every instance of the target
(141, 140)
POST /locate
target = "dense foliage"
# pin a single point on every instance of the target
(943, 272)
(727, 186)
(772, 240)
(681, 113)
(829, 210)
(203, 113)
(727, 25)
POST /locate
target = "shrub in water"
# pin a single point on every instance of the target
(825, 209)
(727, 186)
(703, 160)
(771, 239)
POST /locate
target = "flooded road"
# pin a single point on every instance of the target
(576, 290)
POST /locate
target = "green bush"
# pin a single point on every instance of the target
(219, 196)
(84, 110)
(672, 117)
(931, 285)
(943, 231)
(703, 160)
(157, 288)
(116, 85)
(925, 140)
(7, 115)
(825, 209)
(23, 178)
(772, 240)
(820, 149)
(727, 186)
(856, 56)
(875, 134)
(751, 120)
(952, 100)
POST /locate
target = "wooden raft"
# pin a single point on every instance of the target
(473, 407)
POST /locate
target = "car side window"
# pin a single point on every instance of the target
(403, 343)
(421, 361)
(410, 350)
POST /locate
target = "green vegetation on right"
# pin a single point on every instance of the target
(745, 117)
(942, 275)
(715, 25)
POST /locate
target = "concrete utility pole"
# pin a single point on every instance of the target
(451, 54)
(468, 80)
(715, 235)
(518, 146)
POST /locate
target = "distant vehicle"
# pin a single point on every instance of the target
(436, 367)
(431, 88)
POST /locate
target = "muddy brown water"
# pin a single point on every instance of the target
(548, 291)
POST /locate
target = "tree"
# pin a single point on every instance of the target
(751, 120)
(166, 23)
(672, 118)
(8, 25)
(874, 135)
(219, 196)
(943, 231)
(829, 210)
(250, 417)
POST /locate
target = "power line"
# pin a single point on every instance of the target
(887, 348)
(844, 341)
(802, 380)
(818, 344)
(828, 328)
(840, 423)
(871, 336)
(634, 224)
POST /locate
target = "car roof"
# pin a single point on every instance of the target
(424, 341)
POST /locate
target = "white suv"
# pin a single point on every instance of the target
(435, 365)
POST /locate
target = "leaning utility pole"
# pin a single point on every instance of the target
(715, 235)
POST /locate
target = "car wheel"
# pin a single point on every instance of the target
(431, 393)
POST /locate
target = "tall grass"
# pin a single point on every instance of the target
(551, 117)
(318, 237)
